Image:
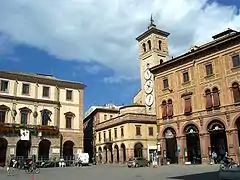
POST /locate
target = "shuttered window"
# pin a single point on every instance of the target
(170, 109)
(188, 106)
(164, 109)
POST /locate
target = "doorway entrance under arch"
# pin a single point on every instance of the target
(43, 149)
(171, 146)
(23, 149)
(3, 151)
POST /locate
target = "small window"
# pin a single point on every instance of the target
(122, 131)
(138, 130)
(105, 117)
(4, 86)
(209, 70)
(25, 89)
(46, 91)
(69, 95)
(165, 84)
(68, 122)
(150, 131)
(185, 77)
(144, 47)
(110, 134)
(236, 61)
(115, 132)
(160, 45)
(104, 135)
(111, 116)
(24, 117)
(149, 45)
(99, 136)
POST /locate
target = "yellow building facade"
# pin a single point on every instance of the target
(47, 109)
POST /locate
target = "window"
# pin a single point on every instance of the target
(99, 136)
(25, 89)
(69, 95)
(170, 109)
(110, 134)
(150, 131)
(122, 131)
(209, 70)
(115, 132)
(2, 116)
(104, 135)
(4, 86)
(46, 116)
(160, 45)
(111, 116)
(185, 77)
(216, 98)
(236, 61)
(105, 117)
(24, 117)
(208, 96)
(188, 106)
(68, 122)
(165, 84)
(236, 92)
(138, 130)
(164, 109)
(144, 47)
(46, 91)
(149, 45)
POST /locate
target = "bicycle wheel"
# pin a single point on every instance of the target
(11, 172)
(28, 170)
(37, 170)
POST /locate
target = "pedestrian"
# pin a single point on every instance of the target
(214, 157)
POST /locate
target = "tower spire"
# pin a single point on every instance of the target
(151, 25)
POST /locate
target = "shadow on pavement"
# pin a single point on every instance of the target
(200, 176)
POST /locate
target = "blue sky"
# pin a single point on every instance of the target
(92, 43)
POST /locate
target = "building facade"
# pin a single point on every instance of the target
(197, 101)
(40, 115)
(123, 132)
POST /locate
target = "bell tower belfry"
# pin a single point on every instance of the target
(153, 49)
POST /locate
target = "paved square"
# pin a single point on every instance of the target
(114, 172)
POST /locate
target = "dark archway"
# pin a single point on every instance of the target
(193, 144)
(43, 149)
(23, 149)
(3, 151)
(99, 155)
(116, 153)
(138, 150)
(105, 154)
(123, 151)
(218, 138)
(68, 150)
(171, 145)
(237, 124)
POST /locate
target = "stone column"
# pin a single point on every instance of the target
(109, 154)
(232, 143)
(181, 142)
(205, 146)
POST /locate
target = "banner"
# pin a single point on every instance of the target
(24, 134)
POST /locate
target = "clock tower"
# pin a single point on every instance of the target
(153, 47)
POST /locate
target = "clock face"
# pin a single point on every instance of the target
(149, 99)
(147, 74)
(148, 86)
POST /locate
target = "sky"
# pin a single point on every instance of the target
(93, 42)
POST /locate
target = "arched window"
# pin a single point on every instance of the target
(161, 61)
(46, 116)
(208, 97)
(144, 47)
(69, 116)
(236, 92)
(160, 45)
(216, 98)
(3, 113)
(149, 45)
(170, 109)
(25, 114)
(164, 109)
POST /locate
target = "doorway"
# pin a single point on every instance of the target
(171, 146)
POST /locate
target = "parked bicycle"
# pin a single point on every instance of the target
(32, 169)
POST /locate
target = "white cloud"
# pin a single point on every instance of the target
(104, 31)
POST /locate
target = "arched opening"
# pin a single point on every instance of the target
(193, 144)
(138, 150)
(46, 116)
(160, 45)
(23, 149)
(236, 92)
(3, 113)
(68, 150)
(43, 149)
(149, 45)
(105, 154)
(123, 150)
(218, 139)
(116, 153)
(144, 47)
(171, 145)
(100, 155)
(3, 151)
(161, 61)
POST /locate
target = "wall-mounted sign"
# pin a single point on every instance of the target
(55, 150)
(12, 151)
(24, 134)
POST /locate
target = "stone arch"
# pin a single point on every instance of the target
(25, 109)
(23, 149)
(68, 146)
(123, 153)
(44, 149)
(188, 124)
(4, 107)
(167, 127)
(234, 121)
(138, 149)
(116, 153)
(209, 121)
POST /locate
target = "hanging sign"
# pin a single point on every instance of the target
(24, 134)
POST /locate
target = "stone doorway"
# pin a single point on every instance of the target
(23, 149)
(3, 151)
(43, 150)
(68, 150)
(171, 146)
(138, 150)
(123, 153)
(218, 139)
(116, 153)
(193, 144)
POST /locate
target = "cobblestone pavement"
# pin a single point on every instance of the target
(115, 172)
